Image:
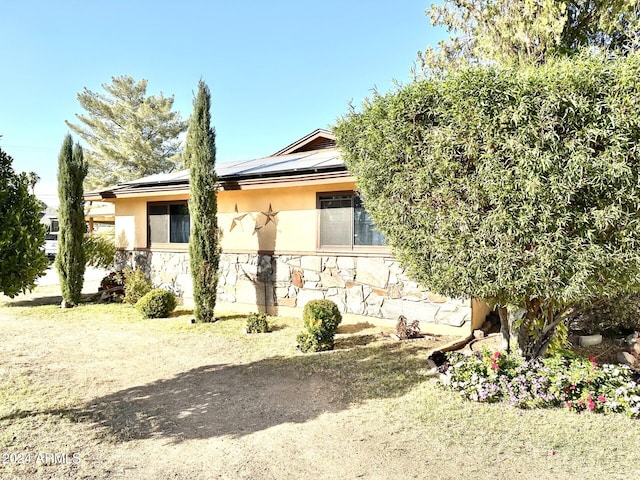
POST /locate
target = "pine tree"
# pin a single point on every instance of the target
(70, 260)
(200, 156)
(129, 134)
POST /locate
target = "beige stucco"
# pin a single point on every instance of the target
(282, 219)
(272, 219)
(131, 220)
(270, 236)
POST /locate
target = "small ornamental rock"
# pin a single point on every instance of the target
(478, 334)
(626, 358)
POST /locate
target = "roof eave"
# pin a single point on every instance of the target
(319, 132)
(233, 182)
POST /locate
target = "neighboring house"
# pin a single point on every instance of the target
(292, 229)
(99, 217)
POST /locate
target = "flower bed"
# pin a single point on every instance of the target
(578, 384)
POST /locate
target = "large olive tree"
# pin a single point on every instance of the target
(519, 185)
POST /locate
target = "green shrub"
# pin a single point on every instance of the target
(136, 285)
(157, 303)
(257, 323)
(321, 319)
(99, 250)
(614, 316)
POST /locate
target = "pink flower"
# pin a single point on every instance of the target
(495, 366)
(496, 355)
(591, 405)
(602, 399)
(569, 404)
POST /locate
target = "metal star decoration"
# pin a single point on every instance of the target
(237, 219)
(271, 215)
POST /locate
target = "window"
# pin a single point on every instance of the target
(168, 222)
(345, 223)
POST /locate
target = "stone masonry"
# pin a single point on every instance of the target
(372, 286)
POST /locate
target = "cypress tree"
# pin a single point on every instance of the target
(200, 157)
(70, 260)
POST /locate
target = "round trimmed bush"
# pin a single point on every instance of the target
(158, 303)
(257, 323)
(321, 319)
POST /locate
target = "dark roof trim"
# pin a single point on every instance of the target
(299, 144)
(307, 159)
(230, 183)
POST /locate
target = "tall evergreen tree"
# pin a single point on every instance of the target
(70, 260)
(129, 134)
(200, 156)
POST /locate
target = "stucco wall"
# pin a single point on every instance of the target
(272, 261)
(131, 220)
(280, 219)
(376, 287)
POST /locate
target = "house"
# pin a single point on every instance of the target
(292, 228)
(99, 217)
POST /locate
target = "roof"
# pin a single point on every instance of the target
(294, 161)
(315, 140)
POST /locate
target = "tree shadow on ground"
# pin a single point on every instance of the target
(354, 327)
(219, 318)
(346, 343)
(35, 301)
(237, 400)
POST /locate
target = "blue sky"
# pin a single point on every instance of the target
(277, 69)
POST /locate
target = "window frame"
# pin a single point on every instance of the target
(343, 248)
(168, 244)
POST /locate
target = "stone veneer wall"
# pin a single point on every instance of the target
(372, 286)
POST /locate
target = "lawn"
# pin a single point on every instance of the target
(98, 392)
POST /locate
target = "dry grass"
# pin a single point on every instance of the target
(138, 398)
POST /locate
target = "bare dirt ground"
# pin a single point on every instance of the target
(102, 394)
(120, 400)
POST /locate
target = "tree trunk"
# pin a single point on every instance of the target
(538, 347)
(533, 311)
(504, 329)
